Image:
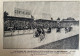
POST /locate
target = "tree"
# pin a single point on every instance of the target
(32, 17)
(51, 18)
(58, 19)
(5, 14)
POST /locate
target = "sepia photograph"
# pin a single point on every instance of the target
(40, 25)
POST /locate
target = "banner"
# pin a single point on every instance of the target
(22, 12)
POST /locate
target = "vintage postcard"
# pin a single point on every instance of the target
(40, 28)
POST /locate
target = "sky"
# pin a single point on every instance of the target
(45, 10)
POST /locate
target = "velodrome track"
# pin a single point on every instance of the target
(28, 41)
(66, 43)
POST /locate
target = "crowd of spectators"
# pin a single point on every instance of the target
(17, 25)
